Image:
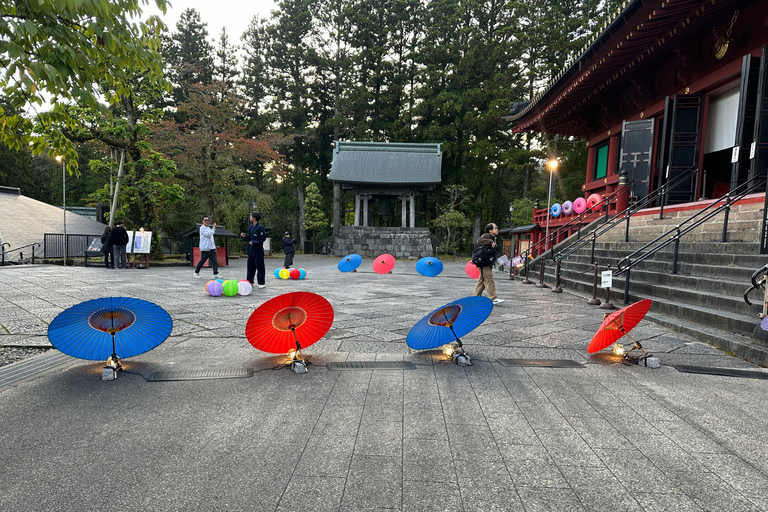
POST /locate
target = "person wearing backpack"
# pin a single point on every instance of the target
(486, 255)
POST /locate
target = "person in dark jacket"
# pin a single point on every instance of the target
(255, 238)
(119, 239)
(288, 249)
(106, 248)
(485, 281)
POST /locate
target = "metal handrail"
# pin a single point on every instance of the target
(5, 253)
(625, 215)
(756, 285)
(734, 196)
(607, 200)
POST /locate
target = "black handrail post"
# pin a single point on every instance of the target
(33, 254)
(557, 288)
(578, 237)
(594, 301)
(724, 238)
(594, 239)
(626, 231)
(626, 283)
(606, 209)
(552, 247)
(674, 255)
(541, 284)
(526, 280)
(607, 304)
(663, 197)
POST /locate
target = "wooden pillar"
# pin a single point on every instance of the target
(365, 210)
(412, 198)
(357, 208)
(404, 205)
(336, 213)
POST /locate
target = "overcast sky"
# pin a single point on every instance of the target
(235, 15)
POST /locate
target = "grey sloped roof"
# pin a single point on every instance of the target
(24, 220)
(388, 163)
(194, 232)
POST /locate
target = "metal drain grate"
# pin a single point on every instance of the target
(32, 366)
(541, 363)
(232, 373)
(371, 365)
(725, 372)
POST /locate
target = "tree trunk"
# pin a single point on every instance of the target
(302, 212)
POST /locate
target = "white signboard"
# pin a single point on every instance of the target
(129, 245)
(142, 240)
(606, 279)
(735, 154)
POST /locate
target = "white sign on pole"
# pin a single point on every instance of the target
(606, 279)
(735, 154)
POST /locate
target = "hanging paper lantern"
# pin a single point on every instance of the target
(244, 287)
(213, 287)
(230, 288)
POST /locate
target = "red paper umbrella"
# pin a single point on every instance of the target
(617, 324)
(471, 270)
(384, 264)
(289, 321)
(593, 200)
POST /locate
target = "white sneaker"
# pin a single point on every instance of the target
(197, 276)
(498, 301)
(261, 286)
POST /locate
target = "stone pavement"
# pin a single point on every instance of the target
(607, 436)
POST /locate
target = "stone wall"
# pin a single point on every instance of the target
(369, 242)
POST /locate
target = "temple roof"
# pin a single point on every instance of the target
(388, 163)
(642, 33)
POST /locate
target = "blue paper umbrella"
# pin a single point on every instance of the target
(449, 323)
(350, 262)
(113, 327)
(429, 266)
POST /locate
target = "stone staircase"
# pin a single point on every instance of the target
(705, 297)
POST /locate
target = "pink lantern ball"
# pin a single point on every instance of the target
(213, 288)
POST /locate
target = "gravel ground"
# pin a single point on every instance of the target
(10, 355)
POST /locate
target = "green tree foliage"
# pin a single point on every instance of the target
(74, 50)
(316, 222)
(188, 55)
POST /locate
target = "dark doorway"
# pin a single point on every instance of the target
(717, 174)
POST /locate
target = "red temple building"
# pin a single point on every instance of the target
(669, 91)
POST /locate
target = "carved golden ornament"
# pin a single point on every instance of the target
(642, 114)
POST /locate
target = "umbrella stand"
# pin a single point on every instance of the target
(458, 355)
(627, 354)
(113, 361)
(298, 363)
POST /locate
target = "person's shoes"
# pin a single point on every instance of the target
(217, 276)
(197, 276)
(261, 286)
(498, 301)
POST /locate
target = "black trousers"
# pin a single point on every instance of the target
(256, 266)
(204, 255)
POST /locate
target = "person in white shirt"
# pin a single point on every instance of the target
(207, 248)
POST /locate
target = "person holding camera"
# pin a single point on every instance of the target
(485, 281)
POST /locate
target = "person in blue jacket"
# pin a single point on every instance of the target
(288, 249)
(255, 238)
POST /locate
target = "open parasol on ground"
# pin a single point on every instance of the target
(429, 266)
(109, 329)
(449, 323)
(350, 262)
(618, 324)
(288, 322)
(471, 270)
(384, 264)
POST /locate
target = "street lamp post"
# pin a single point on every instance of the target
(60, 158)
(552, 166)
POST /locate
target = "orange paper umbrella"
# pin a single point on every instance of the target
(617, 324)
(384, 264)
(471, 270)
(289, 321)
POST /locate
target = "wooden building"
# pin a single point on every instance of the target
(667, 88)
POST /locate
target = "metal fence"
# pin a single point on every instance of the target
(316, 247)
(53, 245)
(175, 245)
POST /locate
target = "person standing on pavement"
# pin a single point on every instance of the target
(255, 238)
(119, 239)
(106, 248)
(207, 248)
(485, 281)
(288, 249)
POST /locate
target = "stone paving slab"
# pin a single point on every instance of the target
(609, 436)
